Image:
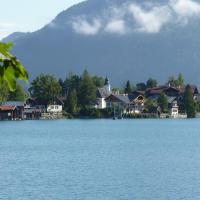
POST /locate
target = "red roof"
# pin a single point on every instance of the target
(7, 108)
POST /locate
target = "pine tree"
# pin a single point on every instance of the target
(189, 102)
(163, 102)
(128, 88)
(151, 83)
(180, 80)
(87, 90)
(72, 102)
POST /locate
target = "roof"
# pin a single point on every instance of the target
(119, 97)
(171, 99)
(7, 108)
(134, 96)
(127, 99)
(102, 93)
(179, 89)
(13, 103)
(60, 100)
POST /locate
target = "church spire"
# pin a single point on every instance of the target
(107, 85)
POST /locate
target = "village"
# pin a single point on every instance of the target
(157, 101)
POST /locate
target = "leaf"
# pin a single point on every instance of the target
(10, 68)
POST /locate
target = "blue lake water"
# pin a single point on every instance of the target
(100, 160)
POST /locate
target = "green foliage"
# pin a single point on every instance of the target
(141, 86)
(189, 102)
(181, 80)
(98, 81)
(10, 68)
(4, 92)
(150, 106)
(151, 83)
(72, 103)
(128, 88)
(163, 103)
(87, 90)
(177, 82)
(18, 95)
(45, 88)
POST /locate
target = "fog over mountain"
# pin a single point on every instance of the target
(123, 39)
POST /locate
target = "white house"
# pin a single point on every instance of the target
(56, 107)
(173, 104)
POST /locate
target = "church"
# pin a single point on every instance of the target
(102, 94)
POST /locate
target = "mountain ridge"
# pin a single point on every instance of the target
(80, 38)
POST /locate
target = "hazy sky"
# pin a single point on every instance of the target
(29, 15)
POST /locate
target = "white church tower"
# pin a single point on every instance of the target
(107, 85)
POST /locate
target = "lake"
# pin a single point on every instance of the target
(100, 160)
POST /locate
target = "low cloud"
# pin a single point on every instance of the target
(150, 21)
(82, 26)
(132, 17)
(116, 26)
(185, 8)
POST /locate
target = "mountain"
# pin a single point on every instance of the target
(14, 36)
(122, 39)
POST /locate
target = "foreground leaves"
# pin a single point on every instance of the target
(11, 69)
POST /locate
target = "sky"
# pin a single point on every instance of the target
(29, 15)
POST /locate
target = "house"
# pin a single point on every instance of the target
(56, 108)
(126, 104)
(33, 109)
(102, 94)
(15, 109)
(173, 107)
(170, 91)
(8, 112)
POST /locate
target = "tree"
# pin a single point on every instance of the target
(45, 88)
(151, 83)
(87, 90)
(141, 86)
(172, 81)
(163, 102)
(4, 92)
(180, 80)
(18, 95)
(10, 68)
(128, 88)
(176, 82)
(189, 102)
(72, 82)
(98, 81)
(151, 106)
(72, 102)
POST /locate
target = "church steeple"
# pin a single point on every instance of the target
(107, 85)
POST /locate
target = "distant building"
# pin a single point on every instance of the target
(33, 109)
(102, 94)
(8, 112)
(173, 107)
(56, 107)
(173, 93)
(13, 109)
(126, 104)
